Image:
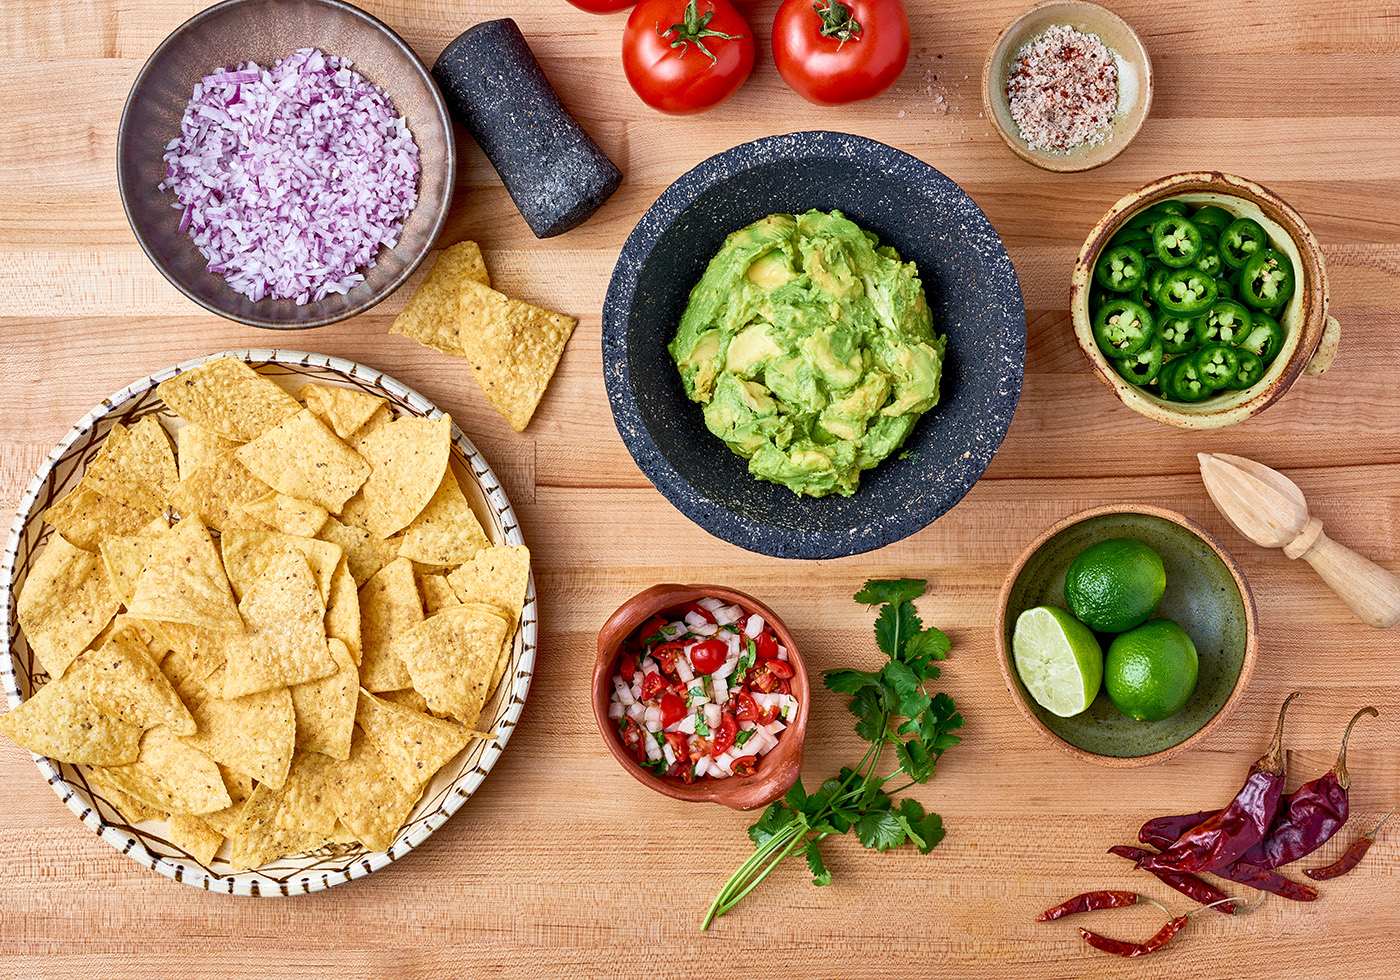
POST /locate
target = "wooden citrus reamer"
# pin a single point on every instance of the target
(1268, 508)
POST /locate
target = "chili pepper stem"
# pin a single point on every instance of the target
(1377, 828)
(1343, 779)
(1272, 760)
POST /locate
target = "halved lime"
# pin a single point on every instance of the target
(1059, 660)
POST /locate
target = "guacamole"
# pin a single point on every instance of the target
(811, 348)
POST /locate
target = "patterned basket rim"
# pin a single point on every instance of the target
(251, 883)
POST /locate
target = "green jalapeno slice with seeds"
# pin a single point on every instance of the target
(1176, 240)
(1266, 281)
(1178, 334)
(1141, 369)
(1121, 269)
(1227, 322)
(1187, 292)
(1180, 208)
(1241, 239)
(1184, 383)
(1249, 372)
(1122, 327)
(1212, 216)
(1209, 261)
(1265, 337)
(1216, 365)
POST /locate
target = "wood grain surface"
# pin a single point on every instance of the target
(563, 865)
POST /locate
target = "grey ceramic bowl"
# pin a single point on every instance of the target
(972, 290)
(264, 31)
(1207, 595)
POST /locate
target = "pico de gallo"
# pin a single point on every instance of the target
(702, 691)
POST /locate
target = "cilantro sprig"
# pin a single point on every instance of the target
(894, 710)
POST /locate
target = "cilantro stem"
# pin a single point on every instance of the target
(749, 875)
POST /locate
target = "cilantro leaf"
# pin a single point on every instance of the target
(892, 591)
(796, 797)
(894, 626)
(909, 814)
(820, 876)
(880, 830)
(930, 828)
(849, 681)
(914, 758)
(774, 821)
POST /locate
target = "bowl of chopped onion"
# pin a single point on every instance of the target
(285, 163)
(700, 693)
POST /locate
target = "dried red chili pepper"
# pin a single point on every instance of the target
(1352, 857)
(1163, 832)
(1189, 885)
(1222, 839)
(1089, 902)
(1120, 948)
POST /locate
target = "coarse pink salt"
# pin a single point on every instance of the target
(1063, 90)
(291, 178)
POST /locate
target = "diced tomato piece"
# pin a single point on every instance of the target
(666, 656)
(763, 678)
(708, 656)
(678, 743)
(766, 645)
(780, 669)
(748, 707)
(652, 685)
(627, 666)
(782, 688)
(700, 747)
(695, 607)
(744, 765)
(672, 709)
(650, 628)
(770, 714)
(632, 739)
(683, 771)
(725, 734)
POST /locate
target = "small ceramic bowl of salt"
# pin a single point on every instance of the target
(1067, 85)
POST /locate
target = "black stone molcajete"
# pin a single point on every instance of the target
(555, 173)
(972, 290)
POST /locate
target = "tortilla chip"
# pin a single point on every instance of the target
(345, 410)
(127, 684)
(424, 743)
(205, 650)
(172, 776)
(382, 415)
(184, 582)
(431, 315)
(304, 459)
(229, 398)
(306, 806)
(253, 736)
(249, 554)
(389, 606)
(85, 516)
(60, 722)
(128, 807)
(325, 709)
(498, 575)
(364, 553)
(138, 467)
(218, 491)
(125, 555)
(343, 612)
(407, 698)
(239, 787)
(437, 594)
(288, 514)
(257, 838)
(451, 657)
(409, 458)
(195, 837)
(197, 447)
(67, 599)
(446, 532)
(286, 639)
(513, 348)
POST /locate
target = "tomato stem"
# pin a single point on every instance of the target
(694, 29)
(837, 21)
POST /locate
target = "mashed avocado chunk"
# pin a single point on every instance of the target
(811, 348)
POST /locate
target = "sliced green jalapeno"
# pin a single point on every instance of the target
(1142, 367)
(1176, 240)
(1216, 365)
(1184, 383)
(1178, 334)
(1249, 372)
(1224, 289)
(1227, 322)
(1122, 327)
(1155, 278)
(1209, 261)
(1121, 269)
(1173, 207)
(1212, 216)
(1136, 237)
(1187, 292)
(1266, 281)
(1241, 239)
(1265, 337)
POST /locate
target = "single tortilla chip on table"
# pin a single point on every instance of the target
(66, 601)
(446, 532)
(325, 709)
(218, 492)
(408, 458)
(184, 582)
(345, 410)
(431, 315)
(302, 458)
(229, 398)
(513, 349)
(451, 657)
(58, 721)
(286, 639)
(364, 553)
(197, 446)
(389, 607)
(172, 776)
(287, 514)
(127, 684)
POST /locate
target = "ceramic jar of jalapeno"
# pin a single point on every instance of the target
(1200, 299)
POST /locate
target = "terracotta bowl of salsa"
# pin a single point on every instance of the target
(759, 776)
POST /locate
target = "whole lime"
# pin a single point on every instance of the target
(1151, 671)
(1114, 585)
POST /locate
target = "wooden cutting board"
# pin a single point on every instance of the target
(563, 864)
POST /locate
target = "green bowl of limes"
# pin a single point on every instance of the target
(1137, 634)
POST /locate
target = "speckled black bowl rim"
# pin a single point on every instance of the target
(710, 515)
(375, 297)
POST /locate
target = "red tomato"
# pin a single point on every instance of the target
(725, 734)
(700, 746)
(762, 678)
(748, 707)
(652, 685)
(602, 6)
(677, 741)
(780, 669)
(650, 628)
(766, 645)
(672, 709)
(782, 688)
(708, 656)
(699, 610)
(744, 765)
(840, 51)
(684, 56)
(627, 667)
(632, 736)
(683, 771)
(666, 656)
